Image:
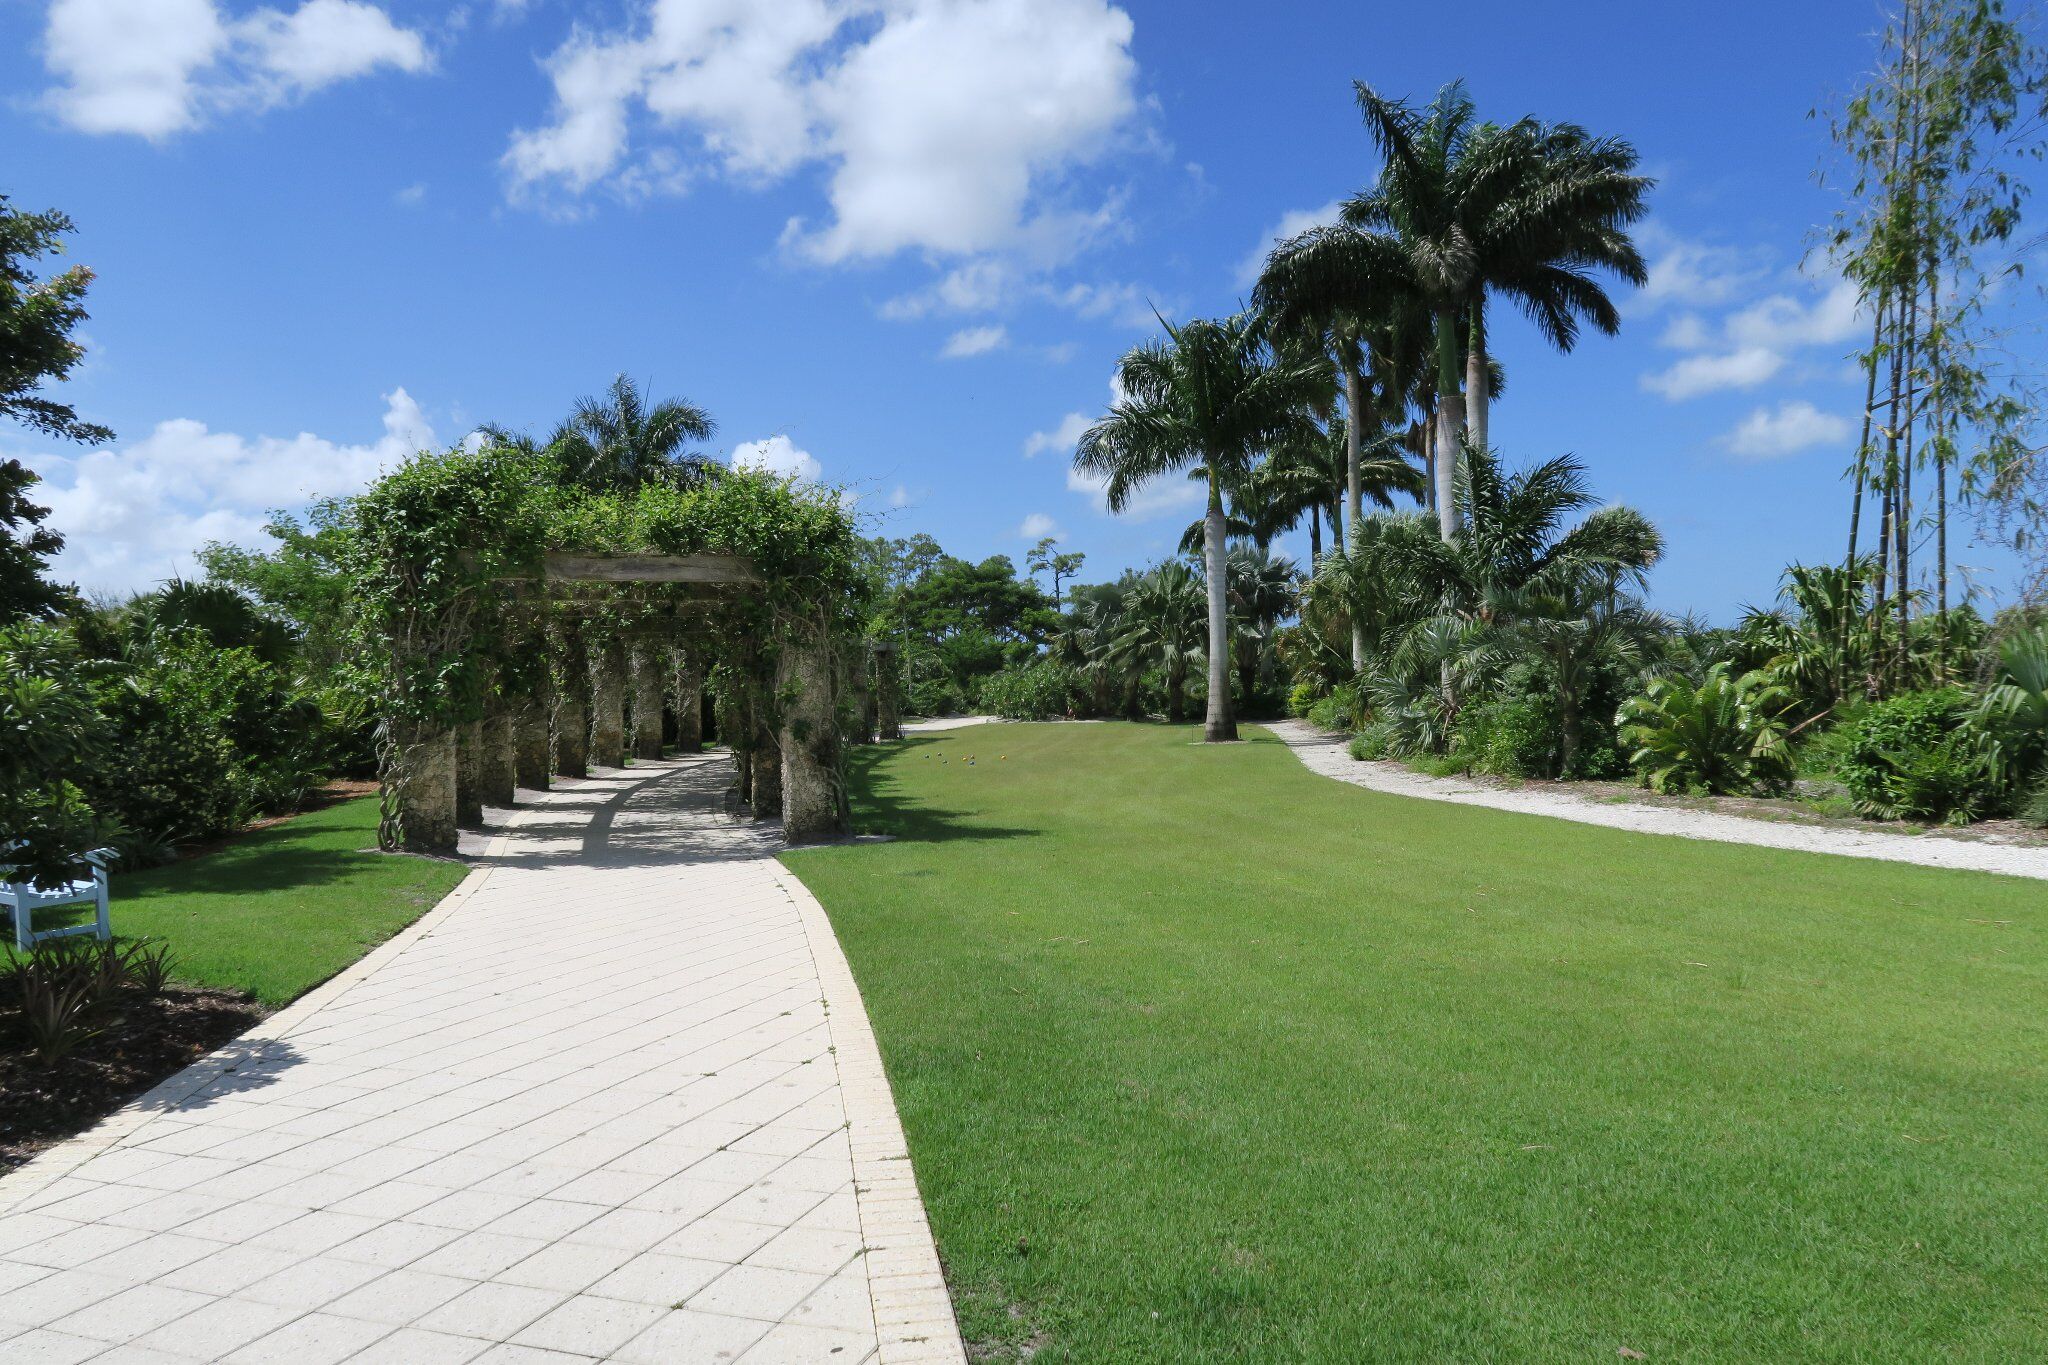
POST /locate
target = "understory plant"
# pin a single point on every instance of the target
(1918, 756)
(1723, 735)
(1039, 691)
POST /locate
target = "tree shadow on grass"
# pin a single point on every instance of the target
(886, 805)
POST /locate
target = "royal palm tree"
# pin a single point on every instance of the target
(1208, 401)
(1463, 209)
(618, 441)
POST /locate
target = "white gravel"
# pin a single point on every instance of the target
(1326, 754)
(926, 727)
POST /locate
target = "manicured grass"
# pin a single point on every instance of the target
(278, 911)
(1203, 1057)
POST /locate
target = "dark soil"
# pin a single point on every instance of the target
(143, 1040)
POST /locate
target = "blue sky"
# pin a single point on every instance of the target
(895, 245)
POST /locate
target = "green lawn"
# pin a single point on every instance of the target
(277, 912)
(1203, 1057)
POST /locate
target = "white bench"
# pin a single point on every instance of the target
(24, 900)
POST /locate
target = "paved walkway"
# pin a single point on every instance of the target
(614, 1099)
(1327, 754)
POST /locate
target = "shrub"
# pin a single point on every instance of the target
(60, 989)
(1342, 710)
(935, 696)
(1038, 691)
(1919, 756)
(2013, 713)
(1514, 735)
(1302, 697)
(1723, 735)
(2034, 810)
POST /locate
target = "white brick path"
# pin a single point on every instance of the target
(608, 1101)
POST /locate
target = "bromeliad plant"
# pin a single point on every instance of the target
(1725, 735)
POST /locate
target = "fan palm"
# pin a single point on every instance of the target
(1161, 625)
(1207, 401)
(618, 441)
(1263, 593)
(1462, 209)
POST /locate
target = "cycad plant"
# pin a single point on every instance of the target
(1208, 401)
(1725, 734)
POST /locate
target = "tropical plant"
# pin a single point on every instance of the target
(1162, 626)
(37, 318)
(52, 740)
(1463, 209)
(2013, 711)
(1724, 734)
(1916, 756)
(618, 441)
(1207, 401)
(1044, 690)
(1262, 594)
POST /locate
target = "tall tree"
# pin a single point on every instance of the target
(617, 440)
(1208, 401)
(37, 318)
(1463, 209)
(26, 546)
(1045, 557)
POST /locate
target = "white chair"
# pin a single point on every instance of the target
(24, 900)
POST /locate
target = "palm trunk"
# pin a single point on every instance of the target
(1354, 493)
(1478, 388)
(1856, 499)
(1219, 727)
(1450, 424)
(1315, 537)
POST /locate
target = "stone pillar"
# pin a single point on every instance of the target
(608, 704)
(419, 792)
(531, 755)
(571, 697)
(888, 725)
(860, 688)
(736, 723)
(813, 777)
(686, 695)
(646, 675)
(469, 775)
(498, 777)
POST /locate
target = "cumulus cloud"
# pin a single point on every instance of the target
(134, 515)
(900, 497)
(1695, 375)
(1290, 225)
(1771, 434)
(1693, 274)
(973, 341)
(779, 456)
(1038, 526)
(1159, 498)
(944, 126)
(1781, 321)
(154, 68)
(1063, 437)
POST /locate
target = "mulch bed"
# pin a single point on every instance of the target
(144, 1041)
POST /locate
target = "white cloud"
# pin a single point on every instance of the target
(1159, 498)
(1063, 437)
(1692, 274)
(158, 67)
(1695, 375)
(413, 194)
(1038, 526)
(1290, 225)
(945, 126)
(973, 341)
(779, 456)
(1768, 434)
(1781, 321)
(136, 514)
(899, 497)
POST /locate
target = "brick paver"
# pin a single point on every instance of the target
(614, 1099)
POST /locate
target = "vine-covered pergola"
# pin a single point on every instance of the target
(514, 627)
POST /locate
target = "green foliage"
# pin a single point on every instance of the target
(1302, 697)
(1509, 734)
(1724, 734)
(301, 580)
(52, 740)
(37, 318)
(1342, 710)
(2013, 711)
(1918, 756)
(26, 546)
(1038, 691)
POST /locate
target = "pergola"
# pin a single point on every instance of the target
(605, 637)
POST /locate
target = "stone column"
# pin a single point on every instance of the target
(531, 749)
(608, 704)
(686, 695)
(813, 777)
(888, 725)
(498, 777)
(646, 675)
(469, 775)
(419, 792)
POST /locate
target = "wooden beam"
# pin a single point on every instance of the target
(568, 568)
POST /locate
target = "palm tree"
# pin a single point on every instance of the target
(1161, 626)
(1262, 594)
(1208, 401)
(617, 441)
(1463, 209)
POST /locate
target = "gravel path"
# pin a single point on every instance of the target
(1326, 754)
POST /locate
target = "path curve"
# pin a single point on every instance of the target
(615, 1098)
(1327, 754)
